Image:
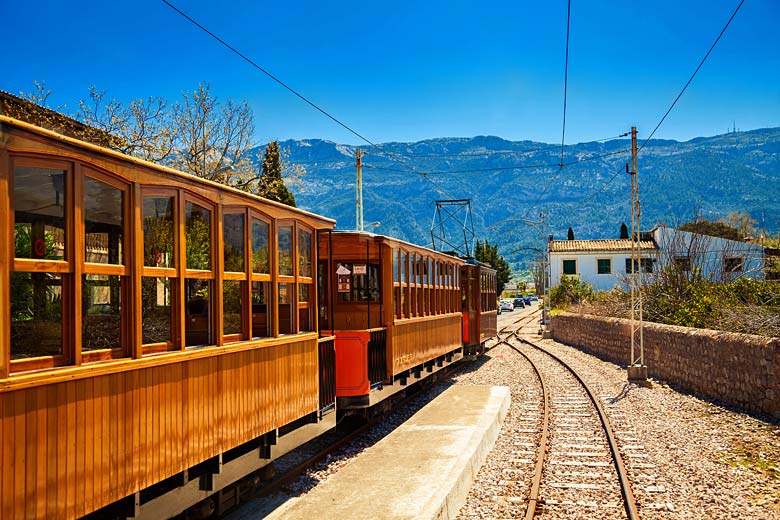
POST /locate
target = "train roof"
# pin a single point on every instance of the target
(107, 152)
(399, 243)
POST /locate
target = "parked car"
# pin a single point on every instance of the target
(533, 298)
(506, 305)
(518, 303)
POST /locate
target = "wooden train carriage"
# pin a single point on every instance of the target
(394, 309)
(478, 296)
(157, 331)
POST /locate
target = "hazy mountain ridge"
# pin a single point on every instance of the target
(714, 175)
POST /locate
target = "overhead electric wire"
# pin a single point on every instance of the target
(565, 79)
(499, 168)
(692, 75)
(264, 71)
(668, 111)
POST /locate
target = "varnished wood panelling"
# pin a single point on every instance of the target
(487, 325)
(71, 447)
(418, 340)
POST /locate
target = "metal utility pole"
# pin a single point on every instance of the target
(358, 191)
(637, 370)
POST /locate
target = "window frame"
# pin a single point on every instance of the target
(69, 353)
(598, 266)
(563, 266)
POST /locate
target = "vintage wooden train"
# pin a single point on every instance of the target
(162, 336)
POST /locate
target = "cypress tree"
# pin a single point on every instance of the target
(271, 185)
(571, 234)
(623, 230)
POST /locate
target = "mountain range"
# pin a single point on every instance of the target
(510, 184)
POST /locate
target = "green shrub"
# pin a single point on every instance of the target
(571, 290)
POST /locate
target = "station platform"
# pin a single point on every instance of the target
(422, 470)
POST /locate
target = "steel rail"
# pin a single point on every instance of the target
(625, 486)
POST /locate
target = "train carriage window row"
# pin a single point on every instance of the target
(73, 296)
(423, 286)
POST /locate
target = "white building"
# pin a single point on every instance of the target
(602, 263)
(607, 263)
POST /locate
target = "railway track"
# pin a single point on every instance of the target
(579, 471)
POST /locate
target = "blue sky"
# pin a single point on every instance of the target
(406, 71)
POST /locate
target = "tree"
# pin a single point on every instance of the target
(571, 234)
(623, 231)
(712, 229)
(212, 139)
(741, 222)
(271, 185)
(142, 129)
(488, 254)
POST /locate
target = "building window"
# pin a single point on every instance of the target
(604, 266)
(735, 264)
(682, 264)
(647, 265)
(569, 267)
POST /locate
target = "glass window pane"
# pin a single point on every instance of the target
(157, 309)
(198, 238)
(569, 267)
(232, 306)
(261, 310)
(36, 315)
(39, 213)
(103, 223)
(286, 250)
(304, 253)
(159, 238)
(260, 246)
(396, 276)
(305, 313)
(197, 313)
(604, 266)
(233, 235)
(101, 312)
(286, 308)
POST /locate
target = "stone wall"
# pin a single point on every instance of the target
(740, 370)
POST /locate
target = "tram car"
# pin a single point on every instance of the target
(163, 336)
(399, 312)
(480, 314)
(159, 335)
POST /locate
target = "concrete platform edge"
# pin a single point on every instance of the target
(445, 506)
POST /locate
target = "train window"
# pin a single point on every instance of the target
(396, 264)
(261, 310)
(286, 308)
(233, 239)
(286, 265)
(232, 309)
(159, 238)
(260, 250)
(197, 313)
(404, 266)
(101, 312)
(103, 223)
(39, 213)
(157, 310)
(364, 286)
(36, 314)
(305, 315)
(198, 236)
(304, 253)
